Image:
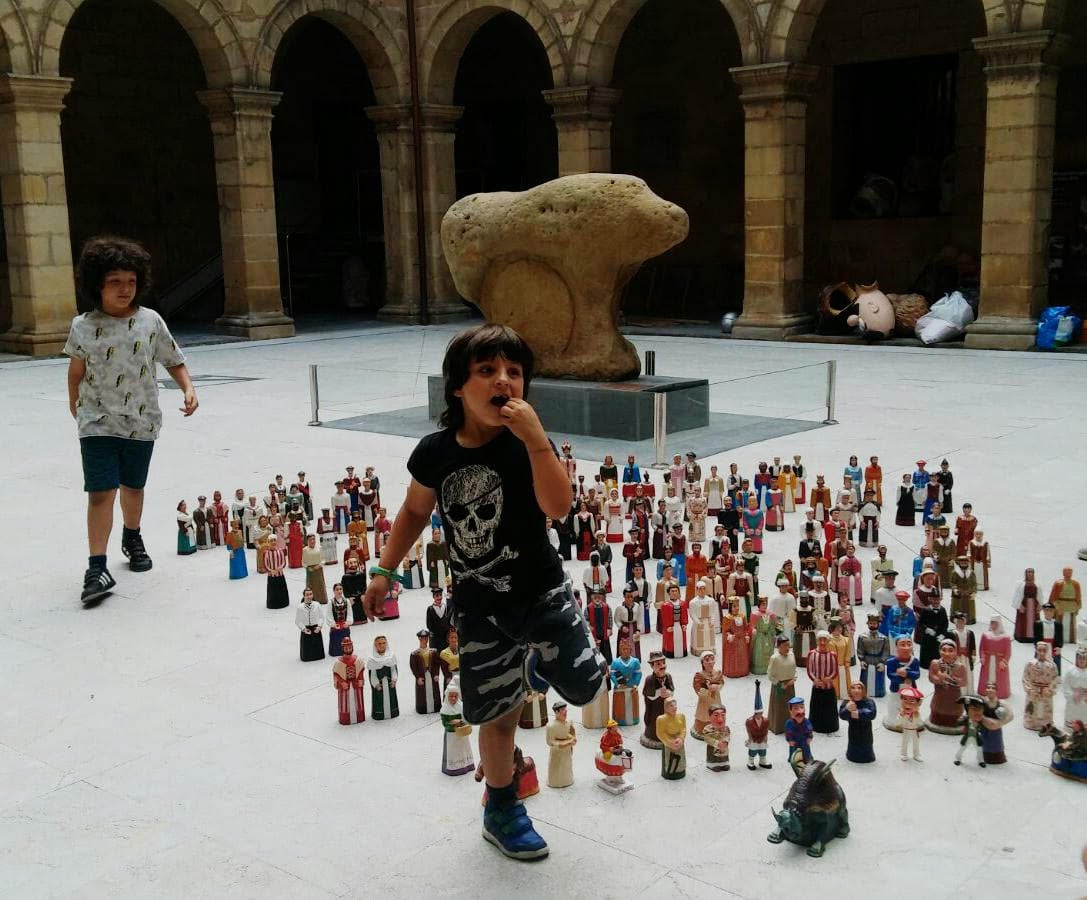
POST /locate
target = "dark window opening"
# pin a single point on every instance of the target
(894, 138)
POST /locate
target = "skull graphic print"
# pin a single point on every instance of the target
(472, 504)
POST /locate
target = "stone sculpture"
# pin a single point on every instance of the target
(551, 262)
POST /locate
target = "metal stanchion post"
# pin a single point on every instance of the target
(660, 427)
(314, 399)
(832, 390)
(650, 362)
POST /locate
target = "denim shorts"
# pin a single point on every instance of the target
(109, 462)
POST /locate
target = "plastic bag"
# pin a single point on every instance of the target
(1057, 326)
(935, 331)
(953, 308)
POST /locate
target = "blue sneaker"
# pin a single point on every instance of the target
(535, 680)
(511, 831)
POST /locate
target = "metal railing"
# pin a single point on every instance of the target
(806, 394)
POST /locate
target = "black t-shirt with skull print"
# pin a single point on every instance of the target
(499, 554)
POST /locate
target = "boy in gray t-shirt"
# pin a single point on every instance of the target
(113, 396)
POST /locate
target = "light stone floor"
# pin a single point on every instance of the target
(170, 743)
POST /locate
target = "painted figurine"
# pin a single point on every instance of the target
(561, 738)
(997, 715)
(657, 688)
(1067, 596)
(273, 553)
(949, 678)
(822, 668)
(781, 672)
(382, 666)
(798, 734)
(614, 760)
(707, 683)
(995, 651)
(314, 562)
(424, 665)
(338, 629)
(309, 619)
(858, 711)
(763, 632)
(814, 811)
(672, 732)
(673, 617)
(842, 645)
(736, 642)
(449, 658)
(932, 627)
(970, 726)
(327, 538)
(1069, 759)
(1027, 605)
(626, 675)
(1075, 688)
(705, 618)
(716, 734)
(457, 756)
(965, 642)
(873, 649)
(437, 560)
(347, 679)
(910, 722)
(1040, 679)
(757, 727)
(980, 559)
(1051, 632)
(186, 533)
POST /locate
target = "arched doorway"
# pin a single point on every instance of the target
(506, 138)
(1068, 230)
(895, 151)
(680, 126)
(327, 174)
(138, 156)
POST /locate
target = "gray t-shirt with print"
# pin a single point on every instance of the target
(118, 396)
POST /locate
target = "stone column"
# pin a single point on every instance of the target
(1021, 110)
(583, 118)
(241, 129)
(35, 214)
(775, 100)
(395, 151)
(396, 144)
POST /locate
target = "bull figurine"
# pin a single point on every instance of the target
(814, 811)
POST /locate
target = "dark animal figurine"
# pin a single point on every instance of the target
(1069, 758)
(814, 812)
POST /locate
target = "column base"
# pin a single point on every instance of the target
(33, 343)
(257, 326)
(440, 311)
(1002, 333)
(771, 328)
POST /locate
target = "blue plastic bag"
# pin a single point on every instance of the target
(1057, 327)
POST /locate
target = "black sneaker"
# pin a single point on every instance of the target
(97, 583)
(134, 551)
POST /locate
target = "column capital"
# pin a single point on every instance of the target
(239, 102)
(585, 101)
(1026, 54)
(40, 92)
(437, 117)
(774, 82)
(389, 118)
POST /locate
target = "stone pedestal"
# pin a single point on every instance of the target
(1021, 76)
(241, 126)
(622, 410)
(35, 200)
(583, 117)
(396, 144)
(774, 98)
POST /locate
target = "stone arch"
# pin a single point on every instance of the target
(792, 23)
(448, 36)
(16, 53)
(363, 26)
(606, 21)
(210, 29)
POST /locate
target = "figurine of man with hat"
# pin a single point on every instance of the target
(758, 728)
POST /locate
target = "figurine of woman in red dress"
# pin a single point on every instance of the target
(735, 641)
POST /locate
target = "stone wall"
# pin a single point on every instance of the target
(232, 45)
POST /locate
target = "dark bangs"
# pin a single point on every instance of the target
(473, 345)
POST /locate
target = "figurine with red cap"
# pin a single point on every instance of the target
(910, 722)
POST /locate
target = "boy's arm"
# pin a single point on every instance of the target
(180, 375)
(554, 493)
(77, 369)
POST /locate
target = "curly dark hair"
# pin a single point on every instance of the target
(106, 253)
(482, 342)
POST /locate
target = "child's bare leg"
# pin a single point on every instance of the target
(99, 520)
(496, 741)
(131, 507)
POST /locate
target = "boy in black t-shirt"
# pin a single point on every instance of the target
(496, 477)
